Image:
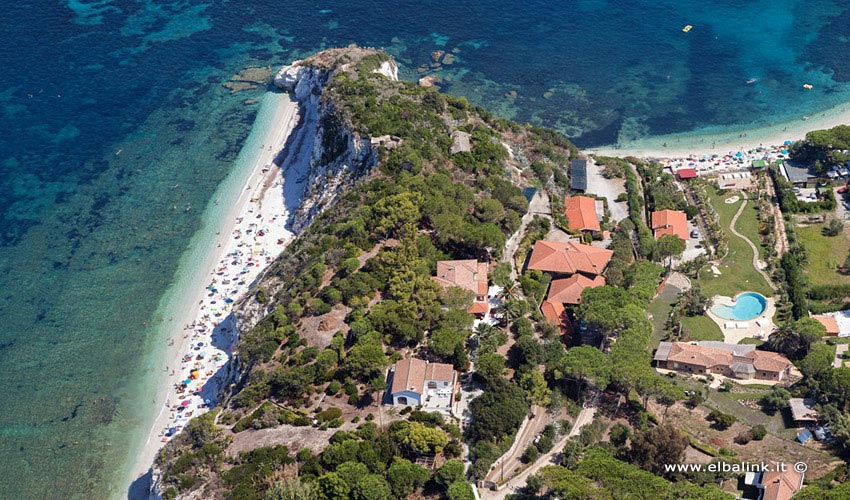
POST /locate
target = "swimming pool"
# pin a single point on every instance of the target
(748, 305)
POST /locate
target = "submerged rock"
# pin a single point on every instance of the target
(248, 79)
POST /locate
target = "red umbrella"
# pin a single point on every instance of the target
(184, 403)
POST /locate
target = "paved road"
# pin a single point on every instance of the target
(839, 355)
(516, 483)
(539, 205)
(512, 459)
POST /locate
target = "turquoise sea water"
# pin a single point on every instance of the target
(748, 305)
(117, 132)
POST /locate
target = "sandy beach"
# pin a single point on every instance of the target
(249, 233)
(725, 140)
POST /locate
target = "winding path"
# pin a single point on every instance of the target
(518, 481)
(752, 245)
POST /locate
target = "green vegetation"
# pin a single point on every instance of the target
(823, 148)
(736, 268)
(599, 475)
(419, 205)
(825, 255)
(702, 328)
(365, 265)
(788, 201)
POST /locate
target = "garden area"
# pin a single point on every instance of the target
(737, 273)
(826, 255)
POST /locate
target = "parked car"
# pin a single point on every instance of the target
(842, 190)
(695, 233)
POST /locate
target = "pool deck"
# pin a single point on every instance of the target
(752, 329)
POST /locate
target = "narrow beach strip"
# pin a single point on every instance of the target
(201, 331)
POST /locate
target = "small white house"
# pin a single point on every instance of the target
(414, 382)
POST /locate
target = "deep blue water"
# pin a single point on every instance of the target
(90, 237)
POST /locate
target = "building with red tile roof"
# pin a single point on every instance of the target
(829, 323)
(568, 258)
(581, 213)
(417, 382)
(686, 173)
(738, 361)
(553, 312)
(670, 222)
(778, 484)
(568, 290)
(467, 274)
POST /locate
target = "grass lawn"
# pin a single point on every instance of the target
(748, 225)
(825, 255)
(750, 340)
(736, 268)
(660, 310)
(702, 328)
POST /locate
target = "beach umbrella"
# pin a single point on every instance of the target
(784, 151)
(739, 154)
(185, 403)
(228, 300)
(787, 143)
(207, 402)
(187, 381)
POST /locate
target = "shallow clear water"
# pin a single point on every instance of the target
(117, 131)
(748, 305)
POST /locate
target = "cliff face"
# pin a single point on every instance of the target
(375, 196)
(322, 160)
(325, 158)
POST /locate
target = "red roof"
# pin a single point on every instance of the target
(568, 258)
(568, 291)
(553, 312)
(478, 308)
(670, 222)
(686, 173)
(581, 213)
(780, 485)
(829, 323)
(468, 274)
(410, 374)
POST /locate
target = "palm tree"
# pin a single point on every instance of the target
(510, 290)
(509, 310)
(784, 340)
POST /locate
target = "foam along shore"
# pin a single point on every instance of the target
(726, 140)
(244, 231)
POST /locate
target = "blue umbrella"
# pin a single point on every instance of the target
(187, 381)
(787, 143)
(739, 154)
(784, 151)
(207, 401)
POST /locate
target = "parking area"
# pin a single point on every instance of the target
(609, 188)
(694, 246)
